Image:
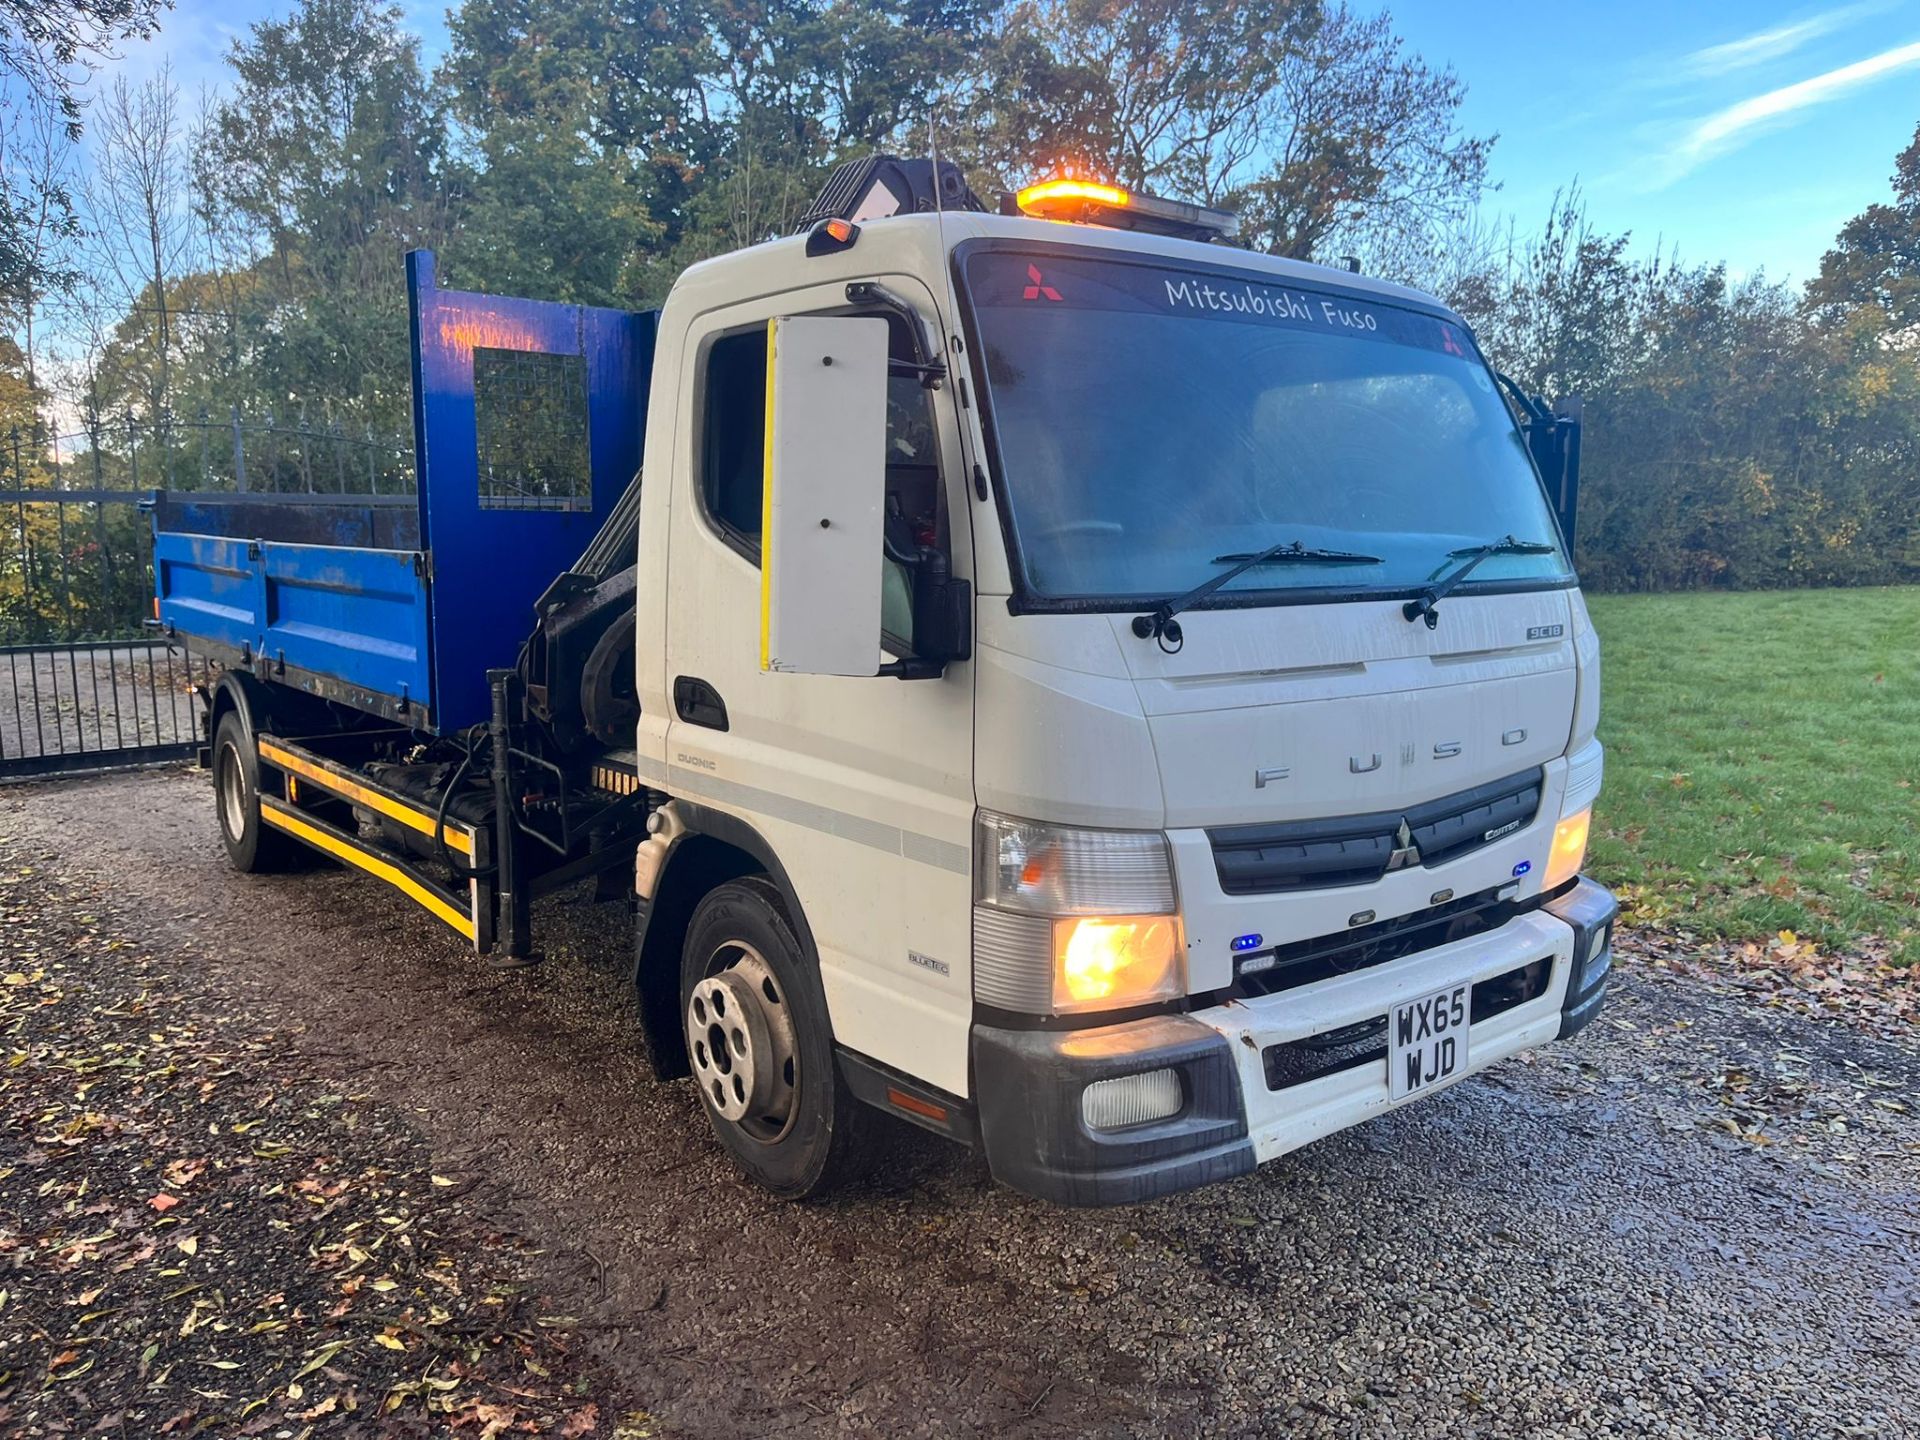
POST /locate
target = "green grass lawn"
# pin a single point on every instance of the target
(1763, 763)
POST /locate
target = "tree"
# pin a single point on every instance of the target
(1876, 260)
(1313, 123)
(580, 128)
(609, 146)
(136, 207)
(1361, 145)
(1139, 92)
(330, 150)
(1729, 442)
(800, 85)
(38, 227)
(46, 47)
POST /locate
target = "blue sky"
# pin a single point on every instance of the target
(1745, 132)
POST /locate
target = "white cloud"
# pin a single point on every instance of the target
(1769, 44)
(1739, 123)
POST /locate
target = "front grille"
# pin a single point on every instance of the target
(1356, 849)
(1295, 1062)
(1305, 961)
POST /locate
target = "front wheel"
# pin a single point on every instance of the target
(761, 1048)
(252, 847)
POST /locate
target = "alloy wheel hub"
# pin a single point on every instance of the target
(740, 1040)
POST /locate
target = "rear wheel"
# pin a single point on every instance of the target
(252, 847)
(761, 1048)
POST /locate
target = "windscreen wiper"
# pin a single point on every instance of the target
(1427, 604)
(1159, 624)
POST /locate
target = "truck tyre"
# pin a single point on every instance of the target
(761, 1049)
(251, 846)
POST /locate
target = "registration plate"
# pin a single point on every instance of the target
(1427, 1041)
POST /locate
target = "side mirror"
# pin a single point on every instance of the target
(1557, 450)
(822, 508)
(1553, 435)
(942, 619)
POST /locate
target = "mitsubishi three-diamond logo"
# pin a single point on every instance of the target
(1405, 852)
(1037, 287)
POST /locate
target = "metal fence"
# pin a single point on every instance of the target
(82, 682)
(83, 706)
(73, 566)
(266, 454)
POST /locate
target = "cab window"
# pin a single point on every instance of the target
(734, 439)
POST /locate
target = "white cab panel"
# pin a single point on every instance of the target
(1309, 711)
(1060, 733)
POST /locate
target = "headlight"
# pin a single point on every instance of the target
(1073, 920)
(1099, 961)
(1586, 767)
(1569, 849)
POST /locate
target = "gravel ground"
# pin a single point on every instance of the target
(199, 1238)
(1697, 1219)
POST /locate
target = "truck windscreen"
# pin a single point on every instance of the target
(1152, 418)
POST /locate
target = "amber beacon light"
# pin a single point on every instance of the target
(1093, 202)
(1069, 199)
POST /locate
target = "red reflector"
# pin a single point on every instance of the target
(914, 1105)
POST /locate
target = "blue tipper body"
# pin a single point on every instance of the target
(410, 630)
(353, 615)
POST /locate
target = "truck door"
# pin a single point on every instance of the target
(527, 420)
(861, 785)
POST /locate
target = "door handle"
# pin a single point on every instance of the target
(698, 703)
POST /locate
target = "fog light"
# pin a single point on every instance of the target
(1597, 944)
(1131, 1100)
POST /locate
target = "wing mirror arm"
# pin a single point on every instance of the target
(931, 369)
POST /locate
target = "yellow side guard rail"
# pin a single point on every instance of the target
(311, 830)
(471, 914)
(340, 781)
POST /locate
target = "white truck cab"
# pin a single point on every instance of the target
(1117, 700)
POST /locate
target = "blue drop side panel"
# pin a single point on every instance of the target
(207, 588)
(356, 615)
(360, 615)
(489, 566)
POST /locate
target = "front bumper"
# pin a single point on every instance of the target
(1240, 1108)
